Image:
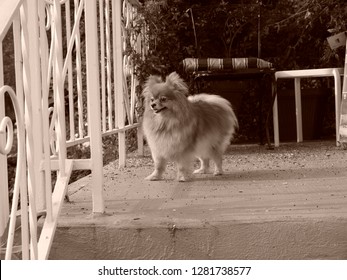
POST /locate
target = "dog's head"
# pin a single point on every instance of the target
(164, 97)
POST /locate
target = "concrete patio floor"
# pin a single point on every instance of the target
(286, 203)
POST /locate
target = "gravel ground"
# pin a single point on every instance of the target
(314, 159)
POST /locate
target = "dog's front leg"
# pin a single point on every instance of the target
(183, 169)
(159, 168)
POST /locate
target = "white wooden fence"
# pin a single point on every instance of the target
(72, 83)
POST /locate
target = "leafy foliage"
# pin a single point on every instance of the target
(296, 33)
(293, 32)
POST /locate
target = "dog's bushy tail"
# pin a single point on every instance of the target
(219, 101)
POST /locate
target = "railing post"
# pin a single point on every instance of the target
(36, 99)
(30, 152)
(59, 86)
(45, 113)
(119, 77)
(93, 97)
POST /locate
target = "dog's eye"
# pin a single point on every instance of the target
(152, 99)
(163, 99)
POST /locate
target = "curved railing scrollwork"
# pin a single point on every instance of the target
(19, 188)
(6, 128)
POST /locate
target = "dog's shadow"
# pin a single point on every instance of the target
(230, 176)
(266, 175)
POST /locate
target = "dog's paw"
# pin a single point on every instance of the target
(200, 171)
(153, 177)
(181, 179)
(218, 173)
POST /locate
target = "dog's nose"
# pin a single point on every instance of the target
(153, 105)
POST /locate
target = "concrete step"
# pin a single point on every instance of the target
(290, 203)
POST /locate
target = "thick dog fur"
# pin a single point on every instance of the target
(179, 128)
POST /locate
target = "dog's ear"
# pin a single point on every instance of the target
(152, 80)
(175, 81)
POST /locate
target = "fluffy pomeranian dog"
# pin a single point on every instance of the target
(179, 128)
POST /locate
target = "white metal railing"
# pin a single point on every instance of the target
(74, 83)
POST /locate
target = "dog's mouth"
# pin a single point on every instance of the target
(159, 110)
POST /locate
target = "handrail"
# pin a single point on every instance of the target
(11, 7)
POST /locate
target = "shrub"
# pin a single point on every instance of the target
(293, 35)
(293, 32)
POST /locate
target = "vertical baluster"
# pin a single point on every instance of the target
(93, 92)
(59, 86)
(102, 64)
(108, 65)
(132, 96)
(45, 112)
(53, 110)
(70, 73)
(20, 134)
(119, 76)
(79, 77)
(29, 129)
